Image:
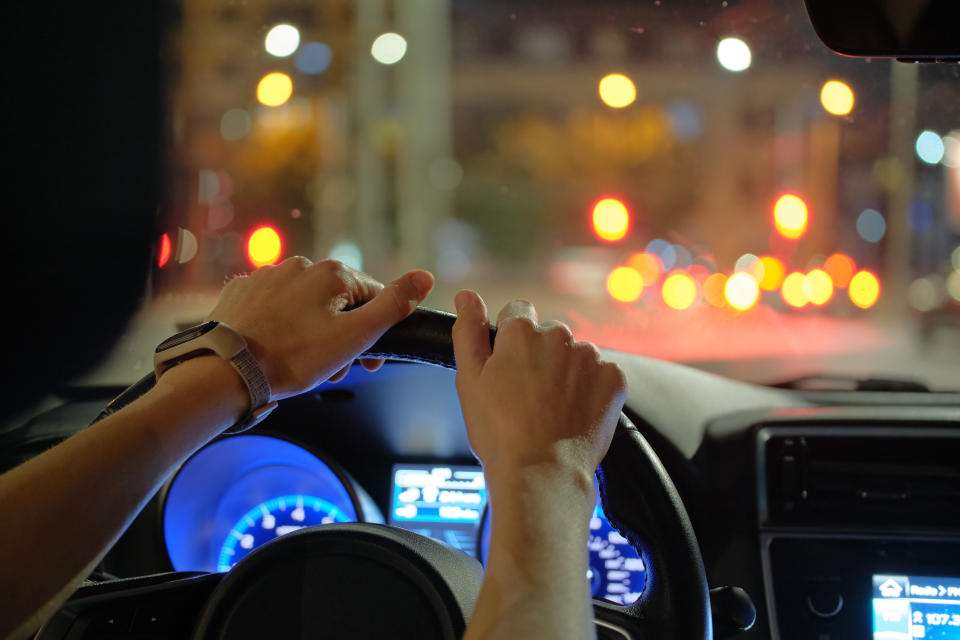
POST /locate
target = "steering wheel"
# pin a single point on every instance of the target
(304, 579)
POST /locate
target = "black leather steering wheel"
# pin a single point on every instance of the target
(638, 498)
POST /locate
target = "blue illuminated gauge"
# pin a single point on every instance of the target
(616, 571)
(273, 519)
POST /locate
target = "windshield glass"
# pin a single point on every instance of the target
(699, 181)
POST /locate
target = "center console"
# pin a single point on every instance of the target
(860, 530)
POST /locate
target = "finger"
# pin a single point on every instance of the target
(371, 364)
(471, 333)
(339, 375)
(517, 309)
(343, 286)
(389, 306)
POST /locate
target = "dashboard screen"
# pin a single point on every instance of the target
(443, 502)
(908, 607)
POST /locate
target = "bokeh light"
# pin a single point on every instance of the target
(871, 225)
(714, 289)
(751, 264)
(741, 291)
(953, 284)
(163, 255)
(314, 57)
(733, 54)
(625, 284)
(929, 147)
(840, 268)
(679, 290)
(348, 253)
(264, 246)
(274, 89)
(617, 90)
(836, 97)
(611, 219)
(951, 150)
(773, 272)
(647, 265)
(790, 216)
(792, 290)
(282, 40)
(187, 245)
(235, 124)
(663, 250)
(389, 48)
(864, 289)
(955, 258)
(818, 287)
(924, 294)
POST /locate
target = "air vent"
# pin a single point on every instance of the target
(842, 478)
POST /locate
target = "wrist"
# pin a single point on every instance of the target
(213, 384)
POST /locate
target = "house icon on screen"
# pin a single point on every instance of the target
(890, 589)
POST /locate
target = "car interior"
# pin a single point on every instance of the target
(653, 173)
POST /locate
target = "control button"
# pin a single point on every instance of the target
(162, 616)
(109, 620)
(825, 604)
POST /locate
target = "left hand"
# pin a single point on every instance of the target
(306, 323)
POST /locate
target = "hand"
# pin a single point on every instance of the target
(304, 322)
(538, 398)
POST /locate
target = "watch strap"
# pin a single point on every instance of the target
(257, 386)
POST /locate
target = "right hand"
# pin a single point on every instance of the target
(538, 399)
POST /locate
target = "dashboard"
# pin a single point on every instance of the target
(837, 512)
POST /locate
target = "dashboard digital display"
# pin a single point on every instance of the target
(443, 502)
(907, 607)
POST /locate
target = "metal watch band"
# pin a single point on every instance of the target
(258, 387)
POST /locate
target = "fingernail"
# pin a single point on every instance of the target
(461, 300)
(423, 281)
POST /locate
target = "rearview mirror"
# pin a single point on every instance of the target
(909, 30)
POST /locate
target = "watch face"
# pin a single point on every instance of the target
(186, 335)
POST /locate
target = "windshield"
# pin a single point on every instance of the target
(699, 181)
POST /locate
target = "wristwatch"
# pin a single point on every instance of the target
(218, 338)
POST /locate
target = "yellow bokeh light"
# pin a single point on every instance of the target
(841, 268)
(818, 287)
(264, 246)
(274, 89)
(790, 216)
(741, 291)
(713, 288)
(679, 290)
(610, 219)
(617, 90)
(864, 289)
(625, 284)
(773, 272)
(648, 265)
(837, 97)
(792, 290)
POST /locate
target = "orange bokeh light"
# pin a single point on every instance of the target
(264, 246)
(648, 265)
(163, 257)
(790, 216)
(841, 268)
(864, 289)
(625, 284)
(792, 290)
(773, 272)
(611, 219)
(679, 290)
(713, 289)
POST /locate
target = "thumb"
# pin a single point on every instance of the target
(392, 304)
(471, 333)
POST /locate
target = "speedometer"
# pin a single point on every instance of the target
(239, 493)
(272, 519)
(616, 571)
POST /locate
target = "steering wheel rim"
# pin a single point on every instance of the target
(638, 498)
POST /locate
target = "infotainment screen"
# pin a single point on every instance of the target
(906, 607)
(443, 502)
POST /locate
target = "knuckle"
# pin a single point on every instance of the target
(518, 327)
(297, 262)
(615, 375)
(560, 332)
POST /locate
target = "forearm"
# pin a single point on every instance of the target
(535, 584)
(71, 503)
